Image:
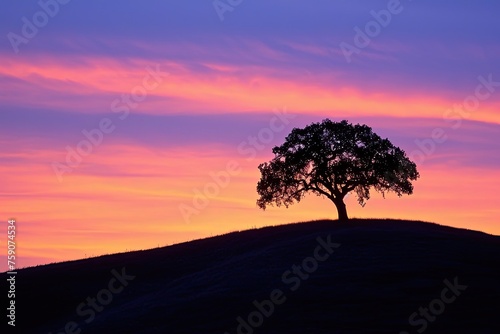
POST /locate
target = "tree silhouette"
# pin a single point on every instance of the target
(333, 159)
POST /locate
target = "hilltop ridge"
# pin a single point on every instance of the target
(360, 276)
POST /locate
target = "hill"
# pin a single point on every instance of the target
(363, 276)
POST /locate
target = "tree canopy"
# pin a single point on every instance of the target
(333, 159)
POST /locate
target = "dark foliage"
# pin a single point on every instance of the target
(333, 159)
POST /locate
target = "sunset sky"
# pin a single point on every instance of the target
(176, 93)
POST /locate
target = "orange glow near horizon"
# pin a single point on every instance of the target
(91, 213)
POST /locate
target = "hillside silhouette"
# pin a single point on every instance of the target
(378, 274)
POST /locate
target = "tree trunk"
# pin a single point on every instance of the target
(341, 209)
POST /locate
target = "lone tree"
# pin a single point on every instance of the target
(333, 159)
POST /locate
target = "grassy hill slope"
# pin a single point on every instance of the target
(364, 276)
